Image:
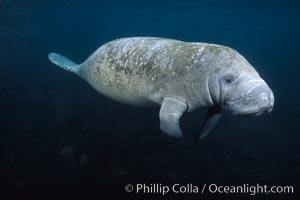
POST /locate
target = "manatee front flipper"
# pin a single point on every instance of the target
(212, 117)
(170, 112)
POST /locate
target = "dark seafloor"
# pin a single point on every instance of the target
(60, 139)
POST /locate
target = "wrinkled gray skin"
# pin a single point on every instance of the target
(177, 75)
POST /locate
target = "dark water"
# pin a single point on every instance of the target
(59, 138)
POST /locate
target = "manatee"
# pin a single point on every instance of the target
(179, 76)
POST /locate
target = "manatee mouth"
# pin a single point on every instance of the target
(253, 112)
(236, 109)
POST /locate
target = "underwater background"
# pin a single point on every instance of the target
(60, 138)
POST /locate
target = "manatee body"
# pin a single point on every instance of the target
(179, 76)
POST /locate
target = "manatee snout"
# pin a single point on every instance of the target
(253, 97)
(263, 96)
(267, 100)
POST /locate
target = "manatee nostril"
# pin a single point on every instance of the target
(263, 96)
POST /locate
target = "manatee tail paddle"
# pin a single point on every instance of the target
(65, 63)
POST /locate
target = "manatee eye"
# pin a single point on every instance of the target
(228, 79)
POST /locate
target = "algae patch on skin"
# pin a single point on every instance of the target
(214, 49)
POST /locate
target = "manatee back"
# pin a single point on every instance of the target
(144, 70)
(121, 70)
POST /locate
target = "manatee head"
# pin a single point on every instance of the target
(235, 85)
